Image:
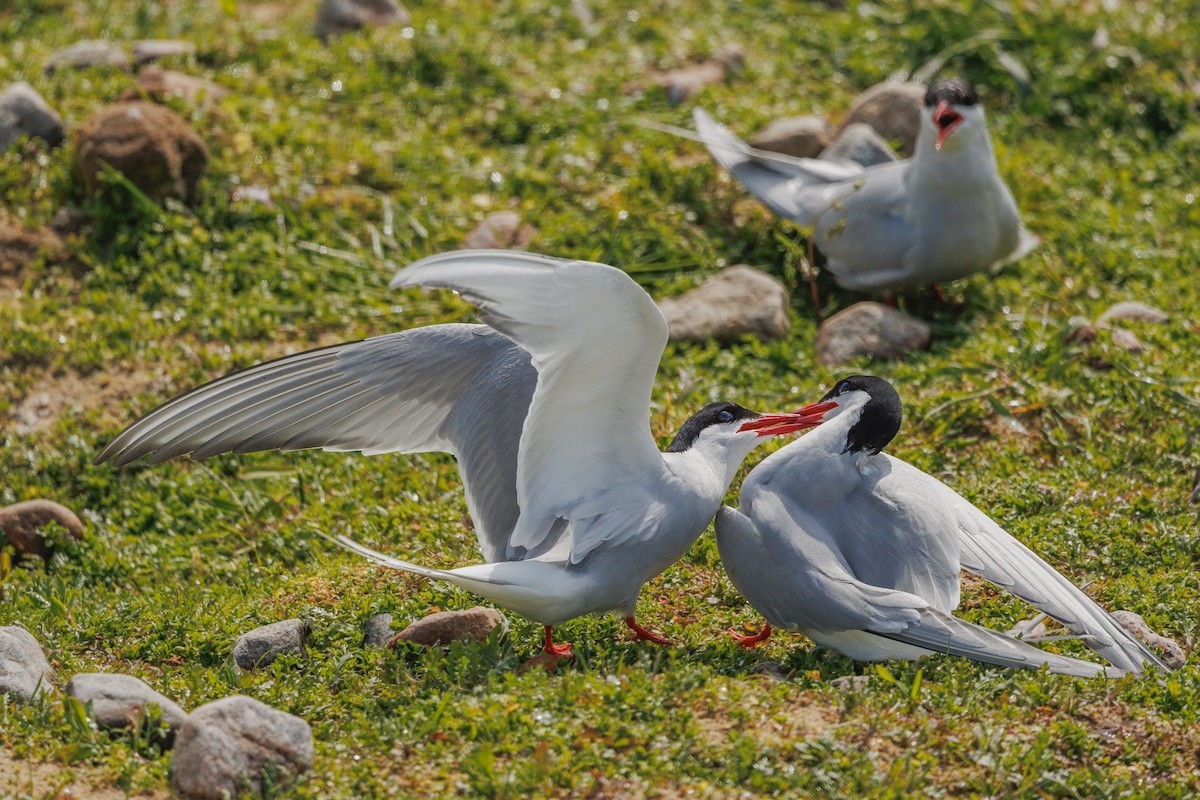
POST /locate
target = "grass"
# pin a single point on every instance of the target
(390, 145)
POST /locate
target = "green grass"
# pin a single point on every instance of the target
(1083, 451)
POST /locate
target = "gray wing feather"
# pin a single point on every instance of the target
(461, 389)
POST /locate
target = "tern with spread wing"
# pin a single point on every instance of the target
(546, 408)
(941, 215)
(861, 552)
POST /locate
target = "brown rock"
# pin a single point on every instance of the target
(734, 302)
(1127, 341)
(686, 82)
(159, 84)
(474, 624)
(20, 246)
(335, 17)
(802, 137)
(151, 49)
(1170, 651)
(869, 329)
(500, 229)
(893, 109)
(88, 53)
(21, 524)
(152, 146)
(1080, 330)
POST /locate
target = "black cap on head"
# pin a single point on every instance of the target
(711, 414)
(881, 416)
(954, 91)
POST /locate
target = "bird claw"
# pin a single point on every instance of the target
(547, 661)
(640, 634)
(751, 641)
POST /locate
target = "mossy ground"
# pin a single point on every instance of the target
(390, 145)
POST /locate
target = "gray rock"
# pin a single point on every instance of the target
(121, 701)
(1127, 341)
(152, 49)
(234, 745)
(893, 109)
(21, 525)
(737, 301)
(500, 229)
(1134, 311)
(24, 670)
(858, 142)
(869, 329)
(802, 137)
(23, 112)
(152, 146)
(377, 631)
(474, 624)
(1170, 651)
(851, 683)
(88, 53)
(336, 17)
(261, 646)
(773, 670)
(160, 84)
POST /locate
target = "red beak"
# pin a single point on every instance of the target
(946, 119)
(779, 424)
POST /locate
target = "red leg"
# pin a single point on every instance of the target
(640, 634)
(749, 642)
(551, 654)
(937, 294)
(889, 299)
(562, 650)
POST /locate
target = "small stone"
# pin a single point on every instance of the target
(859, 143)
(235, 744)
(161, 84)
(802, 137)
(686, 82)
(773, 670)
(377, 631)
(152, 49)
(122, 701)
(500, 229)
(1030, 630)
(737, 301)
(1080, 330)
(23, 112)
(893, 109)
(24, 670)
(1170, 651)
(336, 17)
(869, 329)
(1127, 341)
(150, 145)
(1133, 311)
(21, 246)
(21, 525)
(261, 646)
(88, 53)
(474, 624)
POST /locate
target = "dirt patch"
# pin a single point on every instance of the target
(51, 779)
(73, 394)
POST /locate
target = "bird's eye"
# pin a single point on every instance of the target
(844, 386)
(725, 416)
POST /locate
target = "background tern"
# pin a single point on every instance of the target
(546, 410)
(861, 551)
(941, 215)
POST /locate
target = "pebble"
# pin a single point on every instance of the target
(801, 137)
(88, 53)
(160, 84)
(858, 142)
(1133, 311)
(152, 146)
(261, 646)
(893, 109)
(152, 49)
(24, 670)
(444, 627)
(23, 112)
(871, 329)
(500, 229)
(235, 744)
(773, 670)
(336, 17)
(21, 524)
(121, 701)
(686, 82)
(1170, 651)
(735, 302)
(377, 631)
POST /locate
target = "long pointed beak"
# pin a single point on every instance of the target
(946, 119)
(779, 424)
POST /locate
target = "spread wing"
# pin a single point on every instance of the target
(461, 389)
(595, 338)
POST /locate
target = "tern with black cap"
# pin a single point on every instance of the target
(941, 215)
(861, 552)
(546, 408)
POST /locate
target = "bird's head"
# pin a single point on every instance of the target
(951, 105)
(729, 432)
(871, 410)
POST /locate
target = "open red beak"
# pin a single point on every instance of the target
(946, 119)
(779, 424)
